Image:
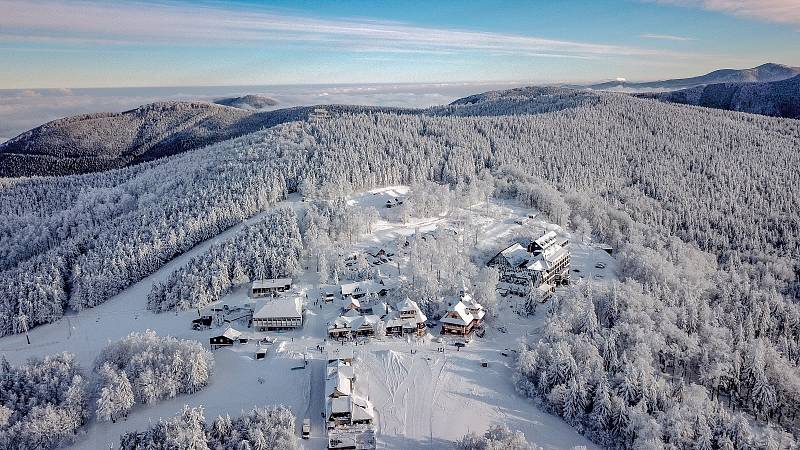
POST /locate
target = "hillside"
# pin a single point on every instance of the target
(110, 140)
(763, 73)
(250, 102)
(103, 141)
(776, 98)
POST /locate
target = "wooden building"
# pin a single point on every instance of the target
(274, 286)
(279, 314)
(229, 337)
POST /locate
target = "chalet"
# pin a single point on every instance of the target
(352, 324)
(380, 309)
(263, 288)
(458, 321)
(406, 319)
(279, 314)
(229, 337)
(361, 289)
(474, 308)
(545, 260)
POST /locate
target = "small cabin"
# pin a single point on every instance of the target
(261, 353)
(226, 339)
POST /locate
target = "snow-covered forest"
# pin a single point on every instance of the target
(498, 437)
(260, 428)
(43, 403)
(145, 368)
(268, 249)
(699, 343)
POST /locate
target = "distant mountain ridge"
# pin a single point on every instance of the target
(776, 98)
(104, 141)
(763, 73)
(250, 102)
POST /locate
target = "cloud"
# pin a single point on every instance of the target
(780, 11)
(71, 22)
(667, 37)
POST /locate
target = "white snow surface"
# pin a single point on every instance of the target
(423, 400)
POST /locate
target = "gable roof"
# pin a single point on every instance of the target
(462, 316)
(231, 333)
(280, 307)
(272, 283)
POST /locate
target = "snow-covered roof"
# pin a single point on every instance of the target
(337, 384)
(280, 307)
(458, 315)
(409, 305)
(546, 239)
(548, 258)
(516, 255)
(232, 333)
(361, 409)
(472, 306)
(341, 367)
(362, 287)
(340, 404)
(271, 284)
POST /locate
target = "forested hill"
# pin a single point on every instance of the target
(249, 102)
(776, 98)
(764, 73)
(103, 141)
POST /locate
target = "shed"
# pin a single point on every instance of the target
(229, 337)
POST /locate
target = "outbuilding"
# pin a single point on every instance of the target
(229, 337)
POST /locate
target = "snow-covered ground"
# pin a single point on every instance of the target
(423, 400)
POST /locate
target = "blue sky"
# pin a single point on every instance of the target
(73, 44)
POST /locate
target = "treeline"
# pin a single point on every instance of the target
(43, 403)
(270, 248)
(260, 428)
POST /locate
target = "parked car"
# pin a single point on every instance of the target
(600, 265)
(306, 428)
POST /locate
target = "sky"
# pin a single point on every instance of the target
(55, 54)
(113, 43)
